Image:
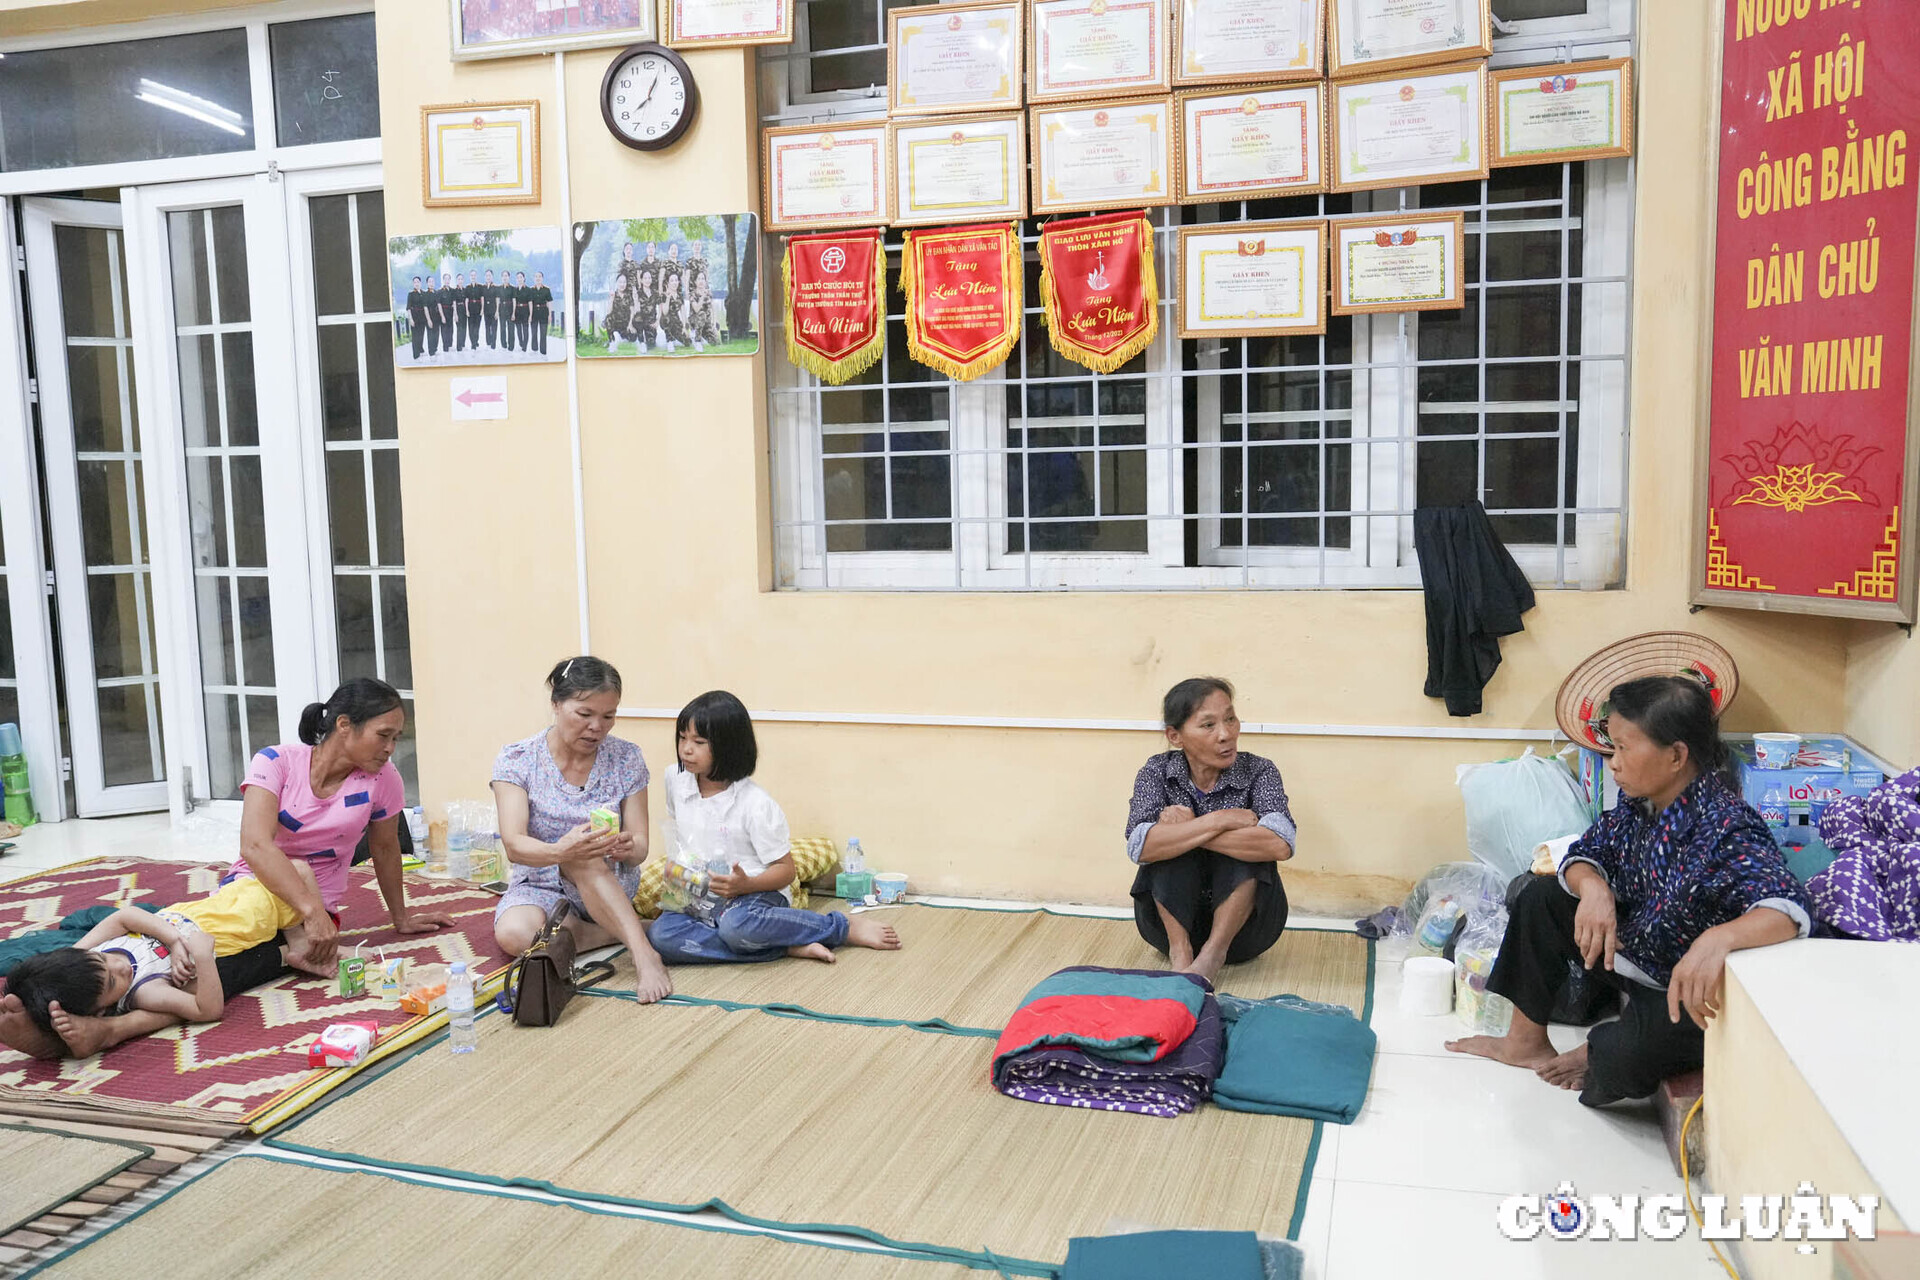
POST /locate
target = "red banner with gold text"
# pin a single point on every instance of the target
(964, 288)
(1097, 282)
(1807, 463)
(836, 287)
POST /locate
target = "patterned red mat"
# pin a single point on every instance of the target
(249, 1069)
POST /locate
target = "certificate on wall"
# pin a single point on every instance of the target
(1395, 131)
(728, 22)
(1254, 278)
(957, 169)
(1259, 142)
(955, 57)
(1111, 155)
(1223, 41)
(816, 178)
(1399, 262)
(1097, 48)
(1371, 36)
(1579, 111)
(480, 153)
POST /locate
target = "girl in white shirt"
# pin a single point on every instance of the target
(720, 809)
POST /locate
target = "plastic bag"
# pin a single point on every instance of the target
(1473, 958)
(1514, 805)
(1447, 895)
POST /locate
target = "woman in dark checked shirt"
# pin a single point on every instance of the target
(1206, 826)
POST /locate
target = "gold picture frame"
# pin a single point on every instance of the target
(1342, 61)
(901, 101)
(1311, 68)
(1408, 86)
(671, 36)
(1616, 73)
(1453, 292)
(466, 146)
(908, 212)
(1159, 52)
(809, 217)
(1192, 240)
(1190, 188)
(606, 37)
(1154, 189)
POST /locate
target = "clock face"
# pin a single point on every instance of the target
(649, 98)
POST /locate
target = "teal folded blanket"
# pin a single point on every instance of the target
(1165, 1255)
(1291, 1057)
(35, 941)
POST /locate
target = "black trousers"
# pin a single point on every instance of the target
(253, 967)
(419, 337)
(523, 325)
(433, 337)
(1627, 1058)
(540, 326)
(1193, 884)
(493, 336)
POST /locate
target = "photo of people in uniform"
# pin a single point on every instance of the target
(667, 286)
(477, 297)
(490, 21)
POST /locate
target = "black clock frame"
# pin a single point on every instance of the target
(672, 135)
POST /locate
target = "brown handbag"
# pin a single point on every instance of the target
(544, 977)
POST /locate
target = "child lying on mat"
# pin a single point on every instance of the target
(159, 961)
(712, 797)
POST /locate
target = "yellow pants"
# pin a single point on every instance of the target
(243, 914)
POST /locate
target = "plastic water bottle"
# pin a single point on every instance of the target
(459, 846)
(856, 860)
(1799, 809)
(1773, 809)
(460, 1033)
(417, 825)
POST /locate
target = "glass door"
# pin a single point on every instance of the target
(217, 365)
(96, 480)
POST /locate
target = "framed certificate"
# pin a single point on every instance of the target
(480, 153)
(1399, 262)
(1256, 142)
(1579, 111)
(713, 23)
(1108, 155)
(1250, 279)
(1395, 131)
(516, 28)
(816, 178)
(1366, 37)
(955, 57)
(956, 169)
(1241, 41)
(1096, 49)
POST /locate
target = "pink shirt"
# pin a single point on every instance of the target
(322, 833)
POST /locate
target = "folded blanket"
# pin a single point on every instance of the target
(1165, 1255)
(1175, 1084)
(1292, 1057)
(66, 934)
(1124, 1015)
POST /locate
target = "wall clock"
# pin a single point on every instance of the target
(648, 98)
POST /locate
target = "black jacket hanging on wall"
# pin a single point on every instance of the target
(1475, 595)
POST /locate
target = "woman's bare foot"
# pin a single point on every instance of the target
(862, 932)
(812, 951)
(1515, 1052)
(84, 1037)
(1566, 1070)
(1179, 956)
(653, 984)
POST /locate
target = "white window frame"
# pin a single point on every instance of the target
(1383, 438)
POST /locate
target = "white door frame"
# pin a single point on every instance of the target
(26, 563)
(283, 484)
(92, 796)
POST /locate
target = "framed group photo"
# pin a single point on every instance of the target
(478, 297)
(1578, 111)
(815, 178)
(1398, 262)
(1082, 49)
(516, 28)
(1106, 155)
(480, 153)
(1371, 37)
(1247, 41)
(959, 168)
(687, 286)
(1247, 144)
(1253, 279)
(956, 58)
(1403, 130)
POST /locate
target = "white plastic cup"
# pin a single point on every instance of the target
(1775, 750)
(1426, 986)
(890, 886)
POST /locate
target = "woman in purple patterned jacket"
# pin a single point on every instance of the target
(1651, 900)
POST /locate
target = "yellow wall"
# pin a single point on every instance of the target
(678, 533)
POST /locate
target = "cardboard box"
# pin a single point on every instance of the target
(1597, 780)
(1846, 770)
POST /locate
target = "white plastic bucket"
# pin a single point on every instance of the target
(1426, 986)
(890, 886)
(1775, 750)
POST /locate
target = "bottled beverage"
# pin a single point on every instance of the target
(1773, 809)
(461, 1035)
(417, 825)
(856, 860)
(459, 844)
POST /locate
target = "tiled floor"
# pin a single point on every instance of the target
(1410, 1189)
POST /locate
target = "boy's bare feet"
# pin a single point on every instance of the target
(1515, 1052)
(1567, 1070)
(862, 932)
(653, 984)
(302, 959)
(812, 951)
(84, 1036)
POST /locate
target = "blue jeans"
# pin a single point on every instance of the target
(755, 926)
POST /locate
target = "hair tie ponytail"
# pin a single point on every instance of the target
(313, 723)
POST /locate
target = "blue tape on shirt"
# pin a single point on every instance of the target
(269, 753)
(358, 798)
(323, 853)
(290, 822)
(378, 814)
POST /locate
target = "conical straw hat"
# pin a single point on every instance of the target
(1581, 708)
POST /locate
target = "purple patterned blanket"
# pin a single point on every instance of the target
(1872, 890)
